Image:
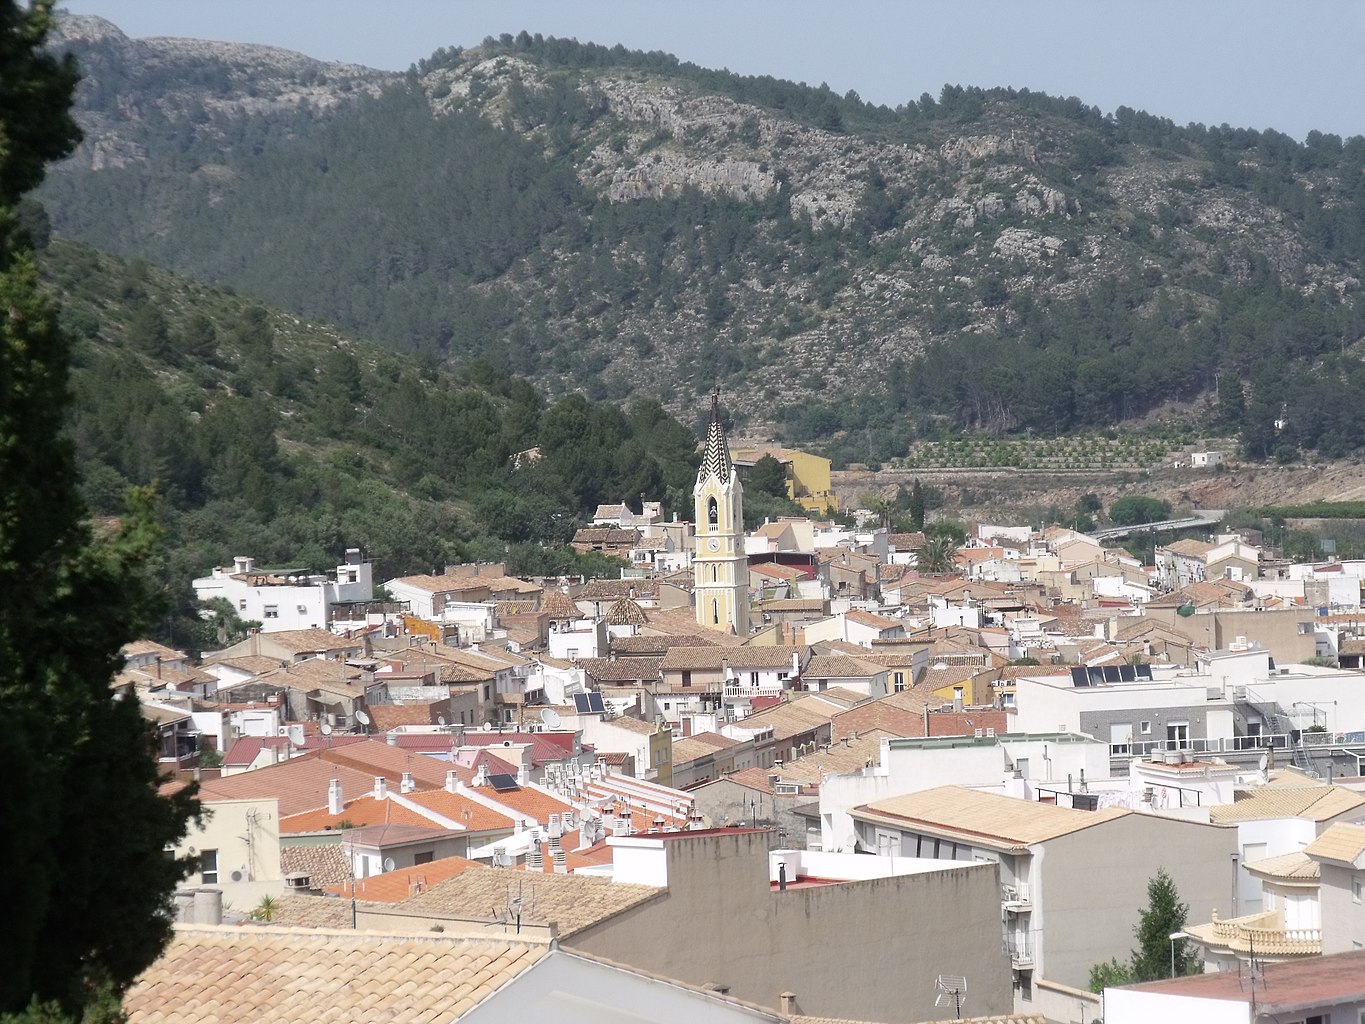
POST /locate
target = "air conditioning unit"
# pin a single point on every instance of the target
(242, 874)
(1239, 693)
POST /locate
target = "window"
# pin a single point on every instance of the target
(1357, 889)
(423, 858)
(1177, 735)
(208, 867)
(898, 679)
(303, 609)
(487, 695)
(712, 511)
(1145, 728)
(715, 613)
(241, 605)
(272, 611)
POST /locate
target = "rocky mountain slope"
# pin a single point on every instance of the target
(627, 225)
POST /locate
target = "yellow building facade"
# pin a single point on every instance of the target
(808, 476)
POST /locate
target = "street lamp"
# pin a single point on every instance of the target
(1176, 937)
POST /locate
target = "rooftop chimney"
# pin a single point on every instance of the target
(392, 739)
(407, 785)
(335, 804)
(452, 781)
(561, 861)
(535, 860)
(381, 787)
(787, 1003)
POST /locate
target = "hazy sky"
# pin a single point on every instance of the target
(1292, 65)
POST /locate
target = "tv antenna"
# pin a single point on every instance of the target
(952, 989)
(551, 718)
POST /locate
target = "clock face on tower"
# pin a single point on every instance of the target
(713, 544)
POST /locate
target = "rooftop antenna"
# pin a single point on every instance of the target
(952, 989)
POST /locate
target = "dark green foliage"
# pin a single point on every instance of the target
(1164, 915)
(275, 438)
(89, 908)
(1109, 975)
(938, 553)
(767, 477)
(1131, 510)
(462, 239)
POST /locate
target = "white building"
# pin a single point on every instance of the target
(281, 599)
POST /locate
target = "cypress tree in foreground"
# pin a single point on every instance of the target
(84, 874)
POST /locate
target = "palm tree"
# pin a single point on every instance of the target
(937, 554)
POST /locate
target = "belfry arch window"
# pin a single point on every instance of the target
(712, 511)
(715, 612)
(715, 574)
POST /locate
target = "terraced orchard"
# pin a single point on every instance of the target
(1062, 453)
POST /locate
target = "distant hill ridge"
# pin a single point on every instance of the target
(624, 224)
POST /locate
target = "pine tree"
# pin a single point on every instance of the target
(87, 881)
(1164, 915)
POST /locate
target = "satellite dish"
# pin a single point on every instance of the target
(362, 717)
(551, 718)
(440, 719)
(389, 864)
(325, 729)
(1265, 759)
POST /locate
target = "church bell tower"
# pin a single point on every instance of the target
(719, 566)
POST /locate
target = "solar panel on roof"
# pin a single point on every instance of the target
(1144, 671)
(1096, 675)
(580, 703)
(595, 702)
(502, 783)
(1079, 678)
(1111, 673)
(1127, 674)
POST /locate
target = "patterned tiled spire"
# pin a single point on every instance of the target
(715, 460)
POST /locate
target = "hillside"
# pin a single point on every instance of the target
(626, 225)
(269, 435)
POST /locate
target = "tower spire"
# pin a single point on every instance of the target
(715, 460)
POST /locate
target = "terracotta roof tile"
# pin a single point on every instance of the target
(1310, 801)
(395, 886)
(992, 819)
(1343, 842)
(573, 902)
(325, 864)
(317, 977)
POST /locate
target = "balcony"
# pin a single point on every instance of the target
(1021, 956)
(1016, 899)
(1259, 935)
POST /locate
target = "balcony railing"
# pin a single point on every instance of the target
(1264, 934)
(1217, 745)
(1021, 955)
(1016, 899)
